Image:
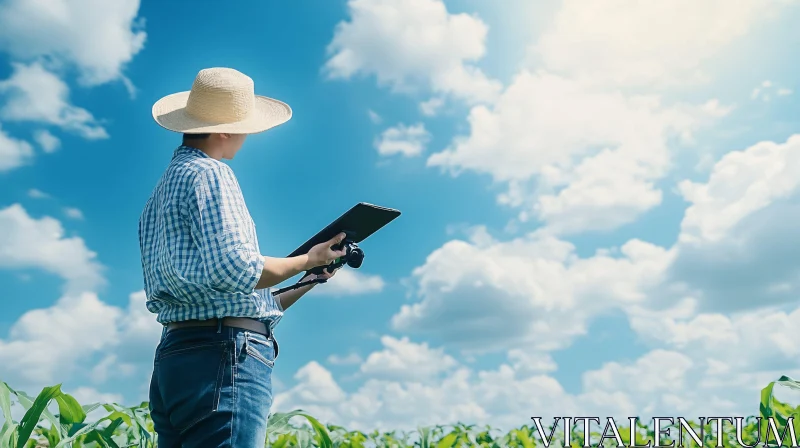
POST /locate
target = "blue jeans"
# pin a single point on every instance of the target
(212, 387)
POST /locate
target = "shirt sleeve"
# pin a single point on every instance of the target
(220, 227)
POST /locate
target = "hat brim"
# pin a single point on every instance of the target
(170, 113)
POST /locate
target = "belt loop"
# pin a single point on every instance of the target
(219, 325)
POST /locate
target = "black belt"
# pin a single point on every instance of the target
(238, 322)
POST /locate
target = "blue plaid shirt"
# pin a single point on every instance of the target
(200, 254)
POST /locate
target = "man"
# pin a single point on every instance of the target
(205, 277)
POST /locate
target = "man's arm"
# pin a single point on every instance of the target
(289, 298)
(277, 270)
(216, 209)
(232, 263)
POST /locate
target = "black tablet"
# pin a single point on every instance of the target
(359, 222)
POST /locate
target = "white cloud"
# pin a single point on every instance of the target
(633, 43)
(411, 43)
(46, 345)
(742, 342)
(110, 366)
(348, 282)
(737, 247)
(96, 36)
(532, 292)
(351, 358)
(140, 332)
(767, 89)
(661, 382)
(741, 183)
(404, 360)
(37, 194)
(48, 141)
(35, 94)
(13, 153)
(658, 369)
(736, 251)
(527, 363)
(73, 213)
(27, 242)
(577, 150)
(61, 343)
(408, 141)
(379, 404)
(431, 107)
(595, 155)
(318, 386)
(87, 395)
(714, 109)
(374, 117)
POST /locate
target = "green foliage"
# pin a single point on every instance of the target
(132, 427)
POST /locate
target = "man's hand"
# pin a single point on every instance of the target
(288, 298)
(325, 275)
(323, 255)
(277, 270)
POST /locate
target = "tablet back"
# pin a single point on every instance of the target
(362, 220)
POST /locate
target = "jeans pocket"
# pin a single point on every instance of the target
(259, 347)
(190, 378)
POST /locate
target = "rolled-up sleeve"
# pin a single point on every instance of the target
(220, 228)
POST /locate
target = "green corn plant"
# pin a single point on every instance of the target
(132, 427)
(278, 423)
(783, 413)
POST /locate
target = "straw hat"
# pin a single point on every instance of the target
(222, 100)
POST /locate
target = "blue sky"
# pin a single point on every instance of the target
(595, 199)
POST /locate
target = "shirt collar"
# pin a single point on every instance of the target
(190, 150)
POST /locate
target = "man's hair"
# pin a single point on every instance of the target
(187, 138)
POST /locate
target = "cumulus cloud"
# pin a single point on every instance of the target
(78, 337)
(727, 342)
(735, 253)
(412, 44)
(431, 107)
(402, 359)
(97, 37)
(46, 345)
(577, 140)
(48, 141)
(374, 117)
(27, 242)
(13, 153)
(35, 94)
(741, 183)
(351, 358)
(408, 141)
(633, 44)
(532, 292)
(661, 382)
(574, 157)
(38, 194)
(737, 246)
(349, 282)
(768, 90)
(716, 308)
(73, 213)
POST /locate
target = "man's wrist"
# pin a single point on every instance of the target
(310, 263)
(307, 277)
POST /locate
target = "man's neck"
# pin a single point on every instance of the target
(210, 150)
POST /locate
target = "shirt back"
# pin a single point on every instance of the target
(199, 249)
